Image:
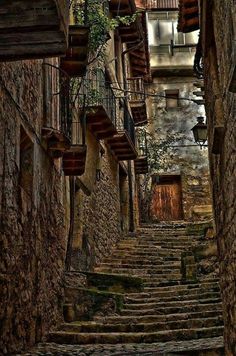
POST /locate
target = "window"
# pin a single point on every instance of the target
(162, 29)
(172, 98)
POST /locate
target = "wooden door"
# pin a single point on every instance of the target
(166, 202)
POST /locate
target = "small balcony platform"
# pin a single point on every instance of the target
(57, 141)
(33, 29)
(74, 159)
(122, 146)
(141, 165)
(75, 62)
(100, 123)
(139, 112)
(137, 100)
(130, 33)
(122, 7)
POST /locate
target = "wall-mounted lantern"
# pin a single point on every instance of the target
(200, 131)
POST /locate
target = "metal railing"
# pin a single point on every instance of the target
(135, 89)
(73, 118)
(128, 125)
(162, 4)
(96, 91)
(141, 142)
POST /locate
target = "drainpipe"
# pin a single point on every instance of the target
(131, 203)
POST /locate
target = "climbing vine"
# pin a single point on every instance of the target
(95, 14)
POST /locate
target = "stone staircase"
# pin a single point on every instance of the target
(168, 308)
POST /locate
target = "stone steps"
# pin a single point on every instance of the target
(168, 293)
(164, 309)
(96, 327)
(63, 337)
(178, 285)
(150, 298)
(141, 260)
(172, 309)
(151, 246)
(151, 265)
(127, 319)
(141, 272)
(151, 252)
(166, 304)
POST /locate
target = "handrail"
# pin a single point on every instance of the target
(128, 125)
(72, 115)
(135, 88)
(98, 92)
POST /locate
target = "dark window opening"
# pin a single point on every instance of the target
(172, 98)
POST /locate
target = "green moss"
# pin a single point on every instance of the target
(114, 282)
(199, 229)
(86, 302)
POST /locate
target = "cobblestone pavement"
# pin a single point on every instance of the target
(167, 349)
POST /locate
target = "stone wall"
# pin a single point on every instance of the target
(33, 222)
(97, 213)
(219, 47)
(185, 158)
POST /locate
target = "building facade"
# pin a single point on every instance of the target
(215, 61)
(67, 171)
(219, 82)
(179, 177)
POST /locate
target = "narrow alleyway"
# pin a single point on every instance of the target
(174, 313)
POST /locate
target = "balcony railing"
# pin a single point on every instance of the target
(141, 162)
(162, 4)
(141, 145)
(98, 92)
(100, 102)
(136, 97)
(122, 143)
(136, 89)
(129, 125)
(73, 122)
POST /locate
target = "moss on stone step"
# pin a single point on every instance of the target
(199, 229)
(114, 282)
(84, 303)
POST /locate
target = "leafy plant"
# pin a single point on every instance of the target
(160, 151)
(95, 14)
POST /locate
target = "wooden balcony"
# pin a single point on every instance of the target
(123, 142)
(188, 16)
(131, 33)
(141, 165)
(57, 141)
(75, 62)
(33, 29)
(139, 57)
(74, 159)
(100, 104)
(122, 7)
(122, 146)
(137, 100)
(99, 122)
